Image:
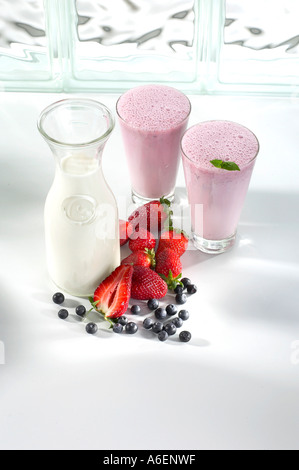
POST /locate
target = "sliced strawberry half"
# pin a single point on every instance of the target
(111, 298)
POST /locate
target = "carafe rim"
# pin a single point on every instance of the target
(82, 102)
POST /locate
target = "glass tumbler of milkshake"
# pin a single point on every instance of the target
(218, 159)
(153, 119)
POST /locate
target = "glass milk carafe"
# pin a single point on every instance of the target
(81, 217)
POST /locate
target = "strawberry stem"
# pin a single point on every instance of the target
(93, 303)
(109, 320)
(171, 281)
(180, 231)
(168, 224)
(152, 255)
(94, 307)
(165, 202)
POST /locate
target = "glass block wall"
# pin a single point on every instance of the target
(260, 43)
(200, 46)
(134, 40)
(30, 56)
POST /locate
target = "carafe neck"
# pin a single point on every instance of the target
(76, 131)
(78, 161)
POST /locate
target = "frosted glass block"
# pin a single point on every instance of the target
(199, 46)
(134, 41)
(26, 55)
(261, 43)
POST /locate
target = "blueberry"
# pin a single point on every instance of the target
(157, 327)
(160, 313)
(131, 328)
(91, 328)
(117, 328)
(163, 335)
(122, 320)
(181, 299)
(135, 309)
(148, 323)
(58, 298)
(170, 328)
(186, 282)
(153, 304)
(185, 336)
(178, 322)
(179, 289)
(191, 289)
(184, 315)
(171, 310)
(80, 310)
(63, 313)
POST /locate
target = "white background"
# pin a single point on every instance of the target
(234, 386)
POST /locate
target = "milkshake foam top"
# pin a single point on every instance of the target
(219, 140)
(153, 107)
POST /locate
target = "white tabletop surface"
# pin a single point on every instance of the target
(234, 386)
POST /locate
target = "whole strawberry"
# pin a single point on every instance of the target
(123, 232)
(174, 239)
(141, 239)
(111, 298)
(152, 216)
(147, 284)
(144, 257)
(169, 267)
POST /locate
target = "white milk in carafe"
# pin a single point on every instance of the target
(81, 226)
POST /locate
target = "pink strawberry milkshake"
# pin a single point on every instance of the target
(216, 195)
(153, 119)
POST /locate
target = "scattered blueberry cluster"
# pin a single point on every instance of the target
(123, 323)
(163, 330)
(181, 297)
(58, 298)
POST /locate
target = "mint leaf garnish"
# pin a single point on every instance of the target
(230, 166)
(217, 163)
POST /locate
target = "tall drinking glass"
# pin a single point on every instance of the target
(218, 159)
(153, 119)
